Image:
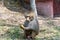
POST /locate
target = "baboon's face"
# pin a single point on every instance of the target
(29, 18)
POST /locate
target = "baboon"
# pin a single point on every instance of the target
(30, 27)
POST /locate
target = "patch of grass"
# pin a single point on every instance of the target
(56, 37)
(51, 23)
(57, 28)
(15, 33)
(50, 33)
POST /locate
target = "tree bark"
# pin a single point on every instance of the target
(33, 7)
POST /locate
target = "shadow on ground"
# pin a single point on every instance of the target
(15, 6)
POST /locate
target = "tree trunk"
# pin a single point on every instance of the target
(33, 7)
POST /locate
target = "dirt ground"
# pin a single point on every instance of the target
(10, 30)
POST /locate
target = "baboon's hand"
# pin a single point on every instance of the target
(21, 26)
